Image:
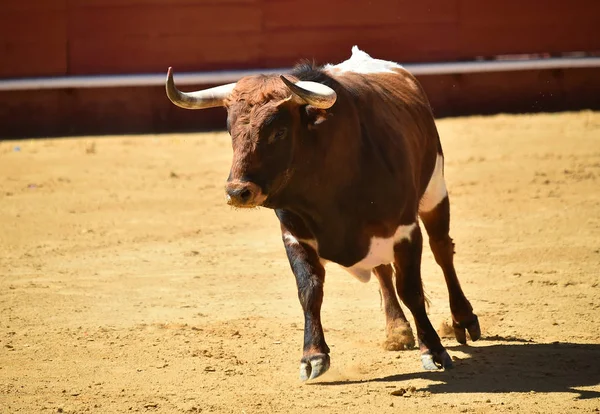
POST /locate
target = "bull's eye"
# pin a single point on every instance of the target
(279, 134)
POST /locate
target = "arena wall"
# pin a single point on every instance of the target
(100, 37)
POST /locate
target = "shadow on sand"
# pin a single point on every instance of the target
(519, 367)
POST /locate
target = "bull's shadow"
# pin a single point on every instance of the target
(524, 367)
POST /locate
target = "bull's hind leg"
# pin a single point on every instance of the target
(407, 261)
(437, 224)
(398, 333)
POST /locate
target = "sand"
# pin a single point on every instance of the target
(128, 285)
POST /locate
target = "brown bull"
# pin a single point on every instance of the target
(349, 158)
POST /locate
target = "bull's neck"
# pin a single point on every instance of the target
(332, 226)
(324, 174)
(325, 186)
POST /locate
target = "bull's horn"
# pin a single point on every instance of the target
(314, 93)
(207, 98)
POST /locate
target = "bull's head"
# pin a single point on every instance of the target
(267, 116)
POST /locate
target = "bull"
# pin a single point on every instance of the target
(349, 158)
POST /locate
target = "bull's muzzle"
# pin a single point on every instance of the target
(244, 194)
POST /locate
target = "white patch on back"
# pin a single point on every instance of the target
(436, 189)
(361, 62)
(381, 251)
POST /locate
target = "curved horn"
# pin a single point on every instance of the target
(207, 98)
(313, 93)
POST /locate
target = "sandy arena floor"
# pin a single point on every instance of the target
(128, 285)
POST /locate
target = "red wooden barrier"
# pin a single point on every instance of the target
(69, 37)
(79, 37)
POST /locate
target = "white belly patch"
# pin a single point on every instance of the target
(381, 251)
(436, 189)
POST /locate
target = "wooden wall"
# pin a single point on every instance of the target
(69, 37)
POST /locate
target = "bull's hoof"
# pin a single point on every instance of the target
(313, 366)
(461, 329)
(474, 329)
(435, 361)
(399, 336)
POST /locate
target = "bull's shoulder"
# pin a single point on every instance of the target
(293, 224)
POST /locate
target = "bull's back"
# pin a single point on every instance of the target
(396, 118)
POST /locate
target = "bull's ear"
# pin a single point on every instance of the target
(316, 116)
(284, 101)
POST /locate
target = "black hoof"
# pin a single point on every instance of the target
(459, 333)
(474, 329)
(461, 329)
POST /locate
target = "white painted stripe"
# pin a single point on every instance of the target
(222, 77)
(147, 79)
(445, 68)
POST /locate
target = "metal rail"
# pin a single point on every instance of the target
(219, 77)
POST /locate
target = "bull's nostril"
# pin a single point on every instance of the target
(245, 195)
(242, 194)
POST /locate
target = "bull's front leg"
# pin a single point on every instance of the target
(310, 276)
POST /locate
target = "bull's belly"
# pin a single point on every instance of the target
(381, 251)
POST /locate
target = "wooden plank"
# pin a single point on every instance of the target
(519, 12)
(322, 14)
(132, 110)
(521, 91)
(64, 112)
(581, 88)
(198, 37)
(32, 113)
(554, 39)
(161, 20)
(25, 59)
(139, 110)
(513, 92)
(428, 11)
(515, 26)
(32, 5)
(399, 43)
(135, 54)
(41, 26)
(33, 43)
(78, 4)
